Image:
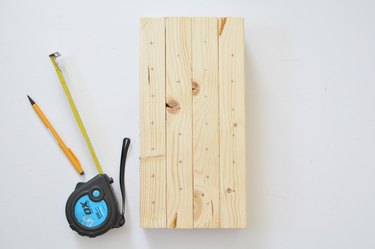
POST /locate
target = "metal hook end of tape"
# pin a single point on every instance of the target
(53, 57)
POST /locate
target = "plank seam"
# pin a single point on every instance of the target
(165, 122)
(218, 116)
(192, 116)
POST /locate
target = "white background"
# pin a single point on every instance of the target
(310, 88)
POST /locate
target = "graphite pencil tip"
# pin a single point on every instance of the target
(31, 100)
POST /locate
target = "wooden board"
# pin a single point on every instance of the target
(232, 124)
(192, 131)
(206, 122)
(152, 123)
(179, 123)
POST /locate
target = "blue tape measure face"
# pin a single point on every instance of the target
(90, 214)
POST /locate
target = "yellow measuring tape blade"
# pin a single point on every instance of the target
(75, 111)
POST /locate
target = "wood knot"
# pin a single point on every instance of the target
(172, 106)
(174, 222)
(196, 88)
(229, 190)
(222, 22)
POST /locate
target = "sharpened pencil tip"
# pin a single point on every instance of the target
(82, 173)
(31, 100)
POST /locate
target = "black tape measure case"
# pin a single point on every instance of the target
(92, 209)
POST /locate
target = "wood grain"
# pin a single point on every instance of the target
(152, 123)
(232, 124)
(205, 122)
(192, 123)
(179, 123)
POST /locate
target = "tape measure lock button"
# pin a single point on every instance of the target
(96, 193)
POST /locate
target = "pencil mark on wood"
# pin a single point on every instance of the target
(148, 75)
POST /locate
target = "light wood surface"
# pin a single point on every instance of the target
(206, 122)
(152, 123)
(179, 123)
(193, 151)
(232, 124)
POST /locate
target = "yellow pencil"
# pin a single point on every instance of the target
(72, 158)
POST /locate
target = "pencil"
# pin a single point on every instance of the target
(68, 152)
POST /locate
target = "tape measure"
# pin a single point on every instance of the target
(92, 209)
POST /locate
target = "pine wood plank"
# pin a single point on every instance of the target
(179, 123)
(232, 124)
(205, 122)
(152, 123)
(192, 123)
